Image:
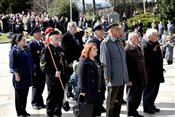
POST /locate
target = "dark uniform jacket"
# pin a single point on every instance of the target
(153, 61)
(135, 65)
(91, 80)
(47, 64)
(97, 42)
(36, 52)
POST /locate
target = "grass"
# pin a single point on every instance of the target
(3, 38)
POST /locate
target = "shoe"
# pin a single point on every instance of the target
(123, 101)
(42, 106)
(149, 110)
(103, 110)
(26, 114)
(36, 107)
(135, 115)
(156, 109)
(57, 115)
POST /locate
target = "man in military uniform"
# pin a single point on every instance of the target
(112, 54)
(54, 73)
(39, 80)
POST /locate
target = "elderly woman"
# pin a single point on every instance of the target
(21, 65)
(90, 77)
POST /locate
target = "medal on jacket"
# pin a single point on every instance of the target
(38, 51)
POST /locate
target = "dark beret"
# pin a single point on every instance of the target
(35, 30)
(97, 27)
(54, 33)
(114, 24)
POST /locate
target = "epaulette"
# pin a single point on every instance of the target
(106, 39)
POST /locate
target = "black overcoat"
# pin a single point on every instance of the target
(153, 61)
(90, 80)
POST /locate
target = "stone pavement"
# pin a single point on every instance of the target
(165, 100)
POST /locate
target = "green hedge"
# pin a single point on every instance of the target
(146, 19)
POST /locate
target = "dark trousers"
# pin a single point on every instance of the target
(38, 88)
(134, 98)
(21, 100)
(55, 96)
(114, 101)
(170, 62)
(149, 95)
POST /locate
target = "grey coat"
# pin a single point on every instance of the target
(169, 51)
(113, 56)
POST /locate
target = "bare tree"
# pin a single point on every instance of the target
(42, 4)
(83, 6)
(94, 7)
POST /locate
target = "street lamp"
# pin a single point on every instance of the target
(70, 10)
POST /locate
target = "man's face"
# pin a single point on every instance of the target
(37, 35)
(135, 40)
(116, 32)
(55, 39)
(153, 37)
(99, 33)
(73, 29)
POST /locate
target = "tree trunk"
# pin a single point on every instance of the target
(94, 8)
(83, 6)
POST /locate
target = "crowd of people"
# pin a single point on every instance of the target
(89, 65)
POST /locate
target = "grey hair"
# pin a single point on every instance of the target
(71, 24)
(149, 32)
(131, 35)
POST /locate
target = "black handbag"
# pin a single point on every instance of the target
(82, 109)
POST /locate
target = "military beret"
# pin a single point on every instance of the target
(35, 30)
(54, 33)
(48, 30)
(97, 27)
(112, 25)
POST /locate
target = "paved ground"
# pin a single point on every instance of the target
(165, 100)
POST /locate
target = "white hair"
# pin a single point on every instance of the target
(71, 24)
(131, 35)
(149, 32)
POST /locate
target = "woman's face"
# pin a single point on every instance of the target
(93, 51)
(22, 42)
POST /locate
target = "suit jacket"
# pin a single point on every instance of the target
(136, 65)
(71, 48)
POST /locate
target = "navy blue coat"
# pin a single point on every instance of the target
(89, 82)
(22, 63)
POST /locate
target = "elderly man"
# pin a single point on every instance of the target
(72, 45)
(54, 73)
(154, 67)
(39, 80)
(112, 54)
(136, 72)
